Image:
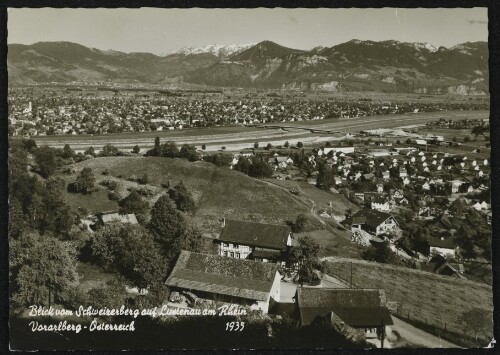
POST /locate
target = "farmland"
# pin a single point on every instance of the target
(428, 298)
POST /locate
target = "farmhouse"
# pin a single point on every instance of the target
(442, 246)
(226, 280)
(363, 309)
(373, 221)
(250, 240)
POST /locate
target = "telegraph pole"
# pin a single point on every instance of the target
(351, 276)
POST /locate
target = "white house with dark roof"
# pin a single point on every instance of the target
(373, 221)
(257, 241)
(226, 280)
(443, 246)
(380, 204)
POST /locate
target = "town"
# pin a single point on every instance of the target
(59, 111)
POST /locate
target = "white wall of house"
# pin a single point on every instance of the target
(384, 207)
(233, 250)
(388, 225)
(274, 293)
(443, 251)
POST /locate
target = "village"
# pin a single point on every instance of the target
(416, 195)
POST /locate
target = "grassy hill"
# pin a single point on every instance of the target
(423, 297)
(218, 191)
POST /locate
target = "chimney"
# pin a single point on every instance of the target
(223, 222)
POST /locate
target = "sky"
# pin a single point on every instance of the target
(162, 31)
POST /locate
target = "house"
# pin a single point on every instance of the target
(257, 241)
(403, 202)
(380, 204)
(279, 162)
(226, 280)
(386, 175)
(477, 206)
(420, 142)
(406, 181)
(443, 246)
(113, 217)
(362, 309)
(441, 267)
(380, 188)
(398, 194)
(455, 186)
(326, 150)
(402, 172)
(373, 221)
(426, 186)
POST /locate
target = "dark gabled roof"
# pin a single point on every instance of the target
(372, 218)
(255, 234)
(379, 200)
(441, 243)
(356, 307)
(221, 275)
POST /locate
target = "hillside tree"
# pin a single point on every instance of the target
(85, 181)
(41, 269)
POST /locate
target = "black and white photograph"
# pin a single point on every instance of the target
(253, 178)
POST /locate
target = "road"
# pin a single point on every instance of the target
(419, 337)
(214, 140)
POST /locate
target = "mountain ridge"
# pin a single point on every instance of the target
(359, 65)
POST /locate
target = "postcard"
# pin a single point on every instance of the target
(249, 178)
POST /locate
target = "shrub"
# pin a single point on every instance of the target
(143, 179)
(113, 196)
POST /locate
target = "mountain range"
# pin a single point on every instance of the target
(386, 66)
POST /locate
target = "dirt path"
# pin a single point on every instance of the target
(419, 337)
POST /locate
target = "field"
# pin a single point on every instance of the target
(218, 191)
(423, 297)
(319, 197)
(237, 138)
(334, 242)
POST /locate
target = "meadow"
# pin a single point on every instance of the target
(218, 191)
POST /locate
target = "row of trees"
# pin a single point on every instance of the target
(170, 150)
(254, 167)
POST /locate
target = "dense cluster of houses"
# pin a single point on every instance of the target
(92, 112)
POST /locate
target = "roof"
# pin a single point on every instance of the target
(113, 217)
(372, 218)
(221, 275)
(256, 234)
(441, 243)
(356, 307)
(379, 200)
